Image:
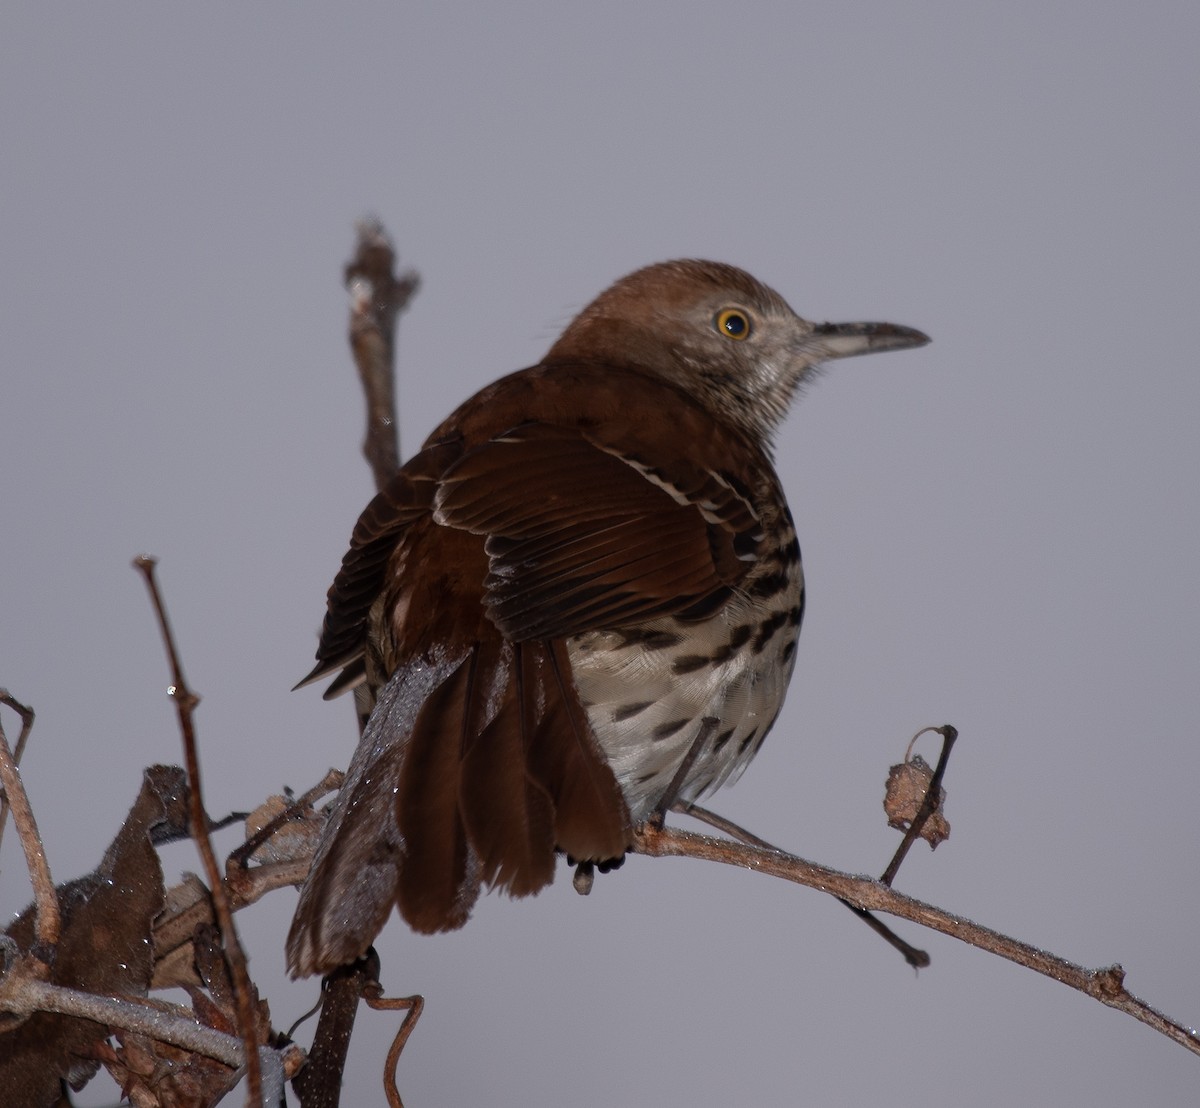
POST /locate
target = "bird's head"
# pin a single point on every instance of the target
(719, 334)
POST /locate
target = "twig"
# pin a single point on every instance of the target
(185, 702)
(276, 1067)
(914, 956)
(929, 804)
(26, 715)
(377, 296)
(246, 887)
(1105, 984)
(49, 921)
(240, 857)
(733, 830)
(319, 1084)
(181, 1030)
(178, 1026)
(412, 1006)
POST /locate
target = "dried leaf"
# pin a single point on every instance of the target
(907, 784)
(105, 946)
(293, 837)
(185, 907)
(218, 1008)
(155, 1073)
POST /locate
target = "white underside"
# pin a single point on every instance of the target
(744, 692)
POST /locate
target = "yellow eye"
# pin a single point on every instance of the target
(733, 323)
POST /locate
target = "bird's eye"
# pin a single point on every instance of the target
(733, 323)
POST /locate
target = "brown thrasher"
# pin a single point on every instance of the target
(577, 605)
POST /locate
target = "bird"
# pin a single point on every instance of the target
(576, 606)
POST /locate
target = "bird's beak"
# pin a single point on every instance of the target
(846, 340)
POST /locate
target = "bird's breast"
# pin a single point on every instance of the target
(654, 690)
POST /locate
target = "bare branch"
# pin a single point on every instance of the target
(929, 805)
(26, 715)
(1105, 984)
(914, 956)
(319, 1084)
(177, 1026)
(331, 782)
(377, 296)
(49, 919)
(166, 1023)
(185, 702)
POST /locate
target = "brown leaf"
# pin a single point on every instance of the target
(907, 784)
(105, 946)
(218, 1007)
(185, 907)
(155, 1073)
(295, 836)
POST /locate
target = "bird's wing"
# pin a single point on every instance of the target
(583, 533)
(485, 558)
(361, 578)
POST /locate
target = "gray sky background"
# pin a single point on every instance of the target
(1000, 530)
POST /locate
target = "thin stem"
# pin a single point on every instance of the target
(49, 919)
(914, 956)
(26, 714)
(185, 703)
(1105, 984)
(377, 296)
(929, 805)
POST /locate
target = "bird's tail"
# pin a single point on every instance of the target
(471, 772)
